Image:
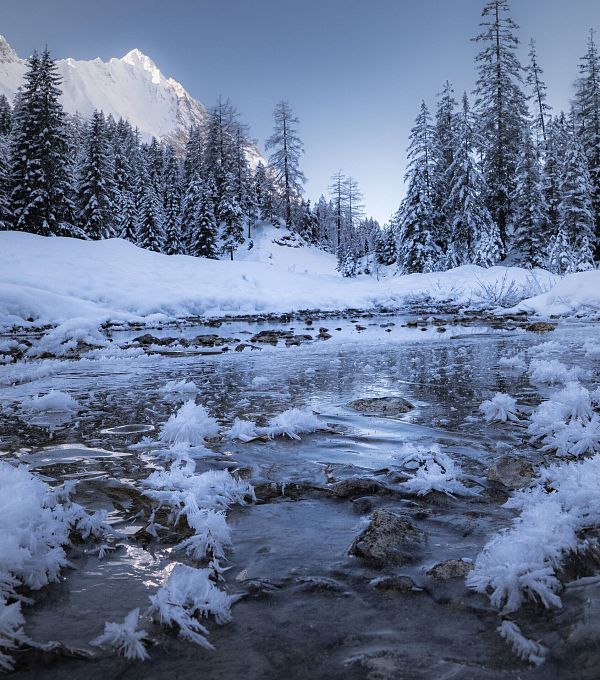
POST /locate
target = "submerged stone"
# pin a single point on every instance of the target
(381, 406)
(444, 571)
(389, 538)
(511, 471)
(541, 327)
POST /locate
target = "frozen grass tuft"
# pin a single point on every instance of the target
(191, 424)
(124, 637)
(501, 408)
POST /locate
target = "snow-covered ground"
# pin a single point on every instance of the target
(50, 280)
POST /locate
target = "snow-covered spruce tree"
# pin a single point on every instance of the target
(554, 154)
(537, 95)
(39, 150)
(474, 237)
(323, 213)
(574, 244)
(96, 188)
(127, 220)
(387, 244)
(192, 163)
(587, 109)
(530, 240)
(190, 203)
(284, 160)
(264, 192)
(352, 208)
(231, 218)
(5, 116)
(445, 140)
(418, 250)
(219, 151)
(150, 220)
(501, 107)
(203, 236)
(172, 203)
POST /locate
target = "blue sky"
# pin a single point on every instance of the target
(353, 71)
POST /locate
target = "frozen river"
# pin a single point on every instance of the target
(309, 608)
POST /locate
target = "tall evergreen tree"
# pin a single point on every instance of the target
(418, 250)
(96, 188)
(287, 149)
(150, 221)
(474, 237)
(501, 107)
(587, 108)
(204, 232)
(574, 246)
(230, 214)
(530, 242)
(172, 203)
(5, 116)
(537, 94)
(445, 123)
(40, 167)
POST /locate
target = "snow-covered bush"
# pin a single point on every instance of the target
(567, 423)
(187, 596)
(552, 372)
(124, 637)
(191, 424)
(500, 409)
(433, 471)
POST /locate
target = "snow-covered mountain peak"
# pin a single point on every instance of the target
(7, 54)
(138, 59)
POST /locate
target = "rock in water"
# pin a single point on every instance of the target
(389, 538)
(381, 406)
(511, 471)
(541, 327)
(444, 571)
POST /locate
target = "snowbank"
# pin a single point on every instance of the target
(576, 293)
(52, 280)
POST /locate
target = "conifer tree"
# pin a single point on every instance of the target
(40, 167)
(574, 246)
(537, 94)
(287, 149)
(5, 116)
(204, 232)
(587, 107)
(150, 221)
(230, 215)
(529, 241)
(501, 108)
(473, 235)
(96, 189)
(445, 123)
(172, 203)
(127, 219)
(418, 250)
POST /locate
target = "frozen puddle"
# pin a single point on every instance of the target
(308, 426)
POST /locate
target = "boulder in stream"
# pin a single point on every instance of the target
(381, 406)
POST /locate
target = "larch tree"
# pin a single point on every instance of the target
(287, 149)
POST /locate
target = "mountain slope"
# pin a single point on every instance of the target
(131, 87)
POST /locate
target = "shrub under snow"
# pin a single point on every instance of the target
(500, 409)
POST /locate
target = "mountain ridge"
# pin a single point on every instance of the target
(130, 87)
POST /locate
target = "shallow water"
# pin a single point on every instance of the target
(309, 609)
